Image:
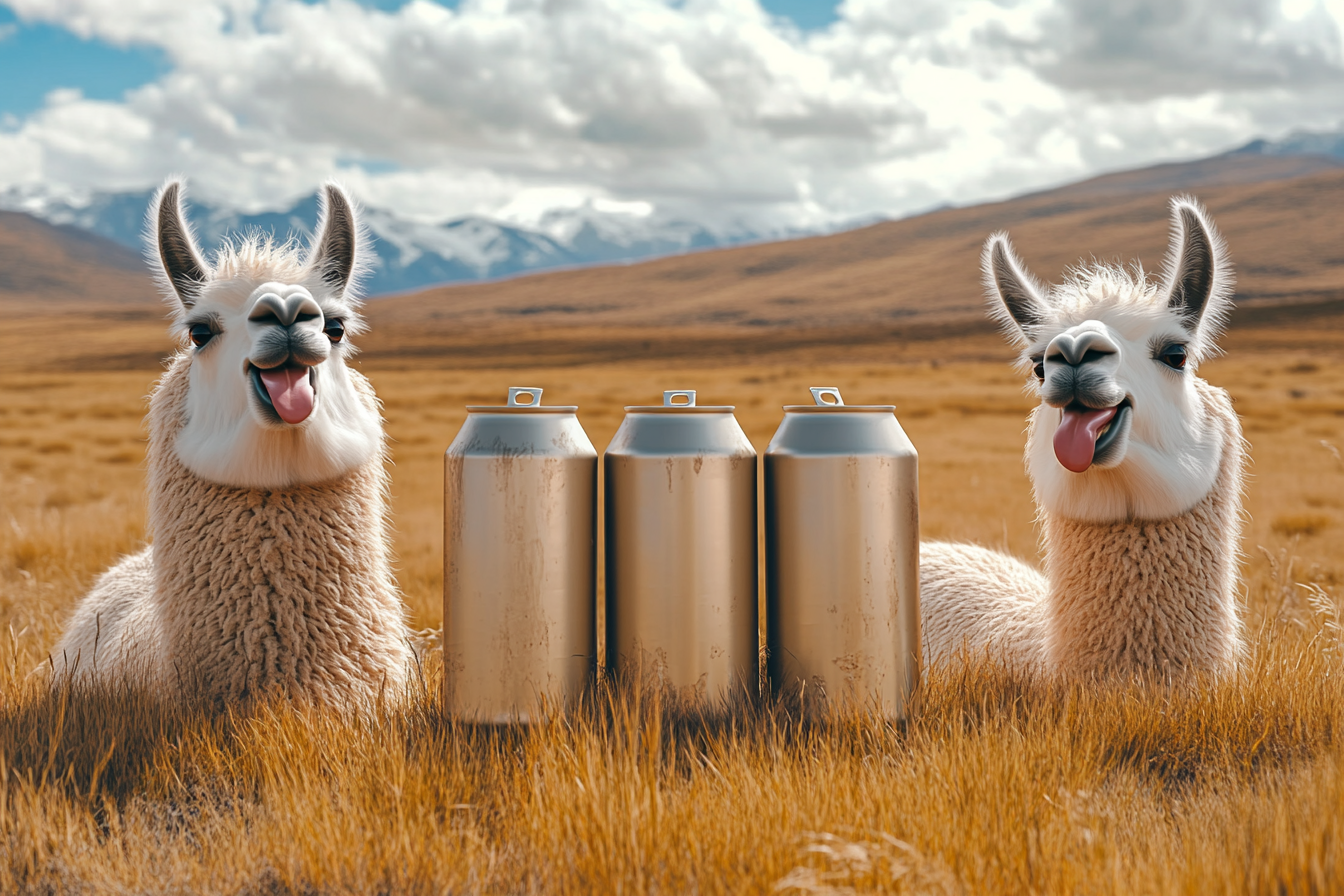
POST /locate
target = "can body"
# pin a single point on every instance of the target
(681, 577)
(842, 559)
(520, 502)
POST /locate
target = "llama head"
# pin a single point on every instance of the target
(1121, 432)
(270, 400)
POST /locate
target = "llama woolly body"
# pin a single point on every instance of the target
(249, 590)
(1116, 597)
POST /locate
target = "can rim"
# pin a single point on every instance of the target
(679, 409)
(522, 409)
(839, 408)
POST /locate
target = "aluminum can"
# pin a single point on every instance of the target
(519, 561)
(842, 558)
(681, 551)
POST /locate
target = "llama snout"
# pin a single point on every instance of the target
(1080, 368)
(286, 327)
(289, 345)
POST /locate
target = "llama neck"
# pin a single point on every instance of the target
(1151, 594)
(266, 588)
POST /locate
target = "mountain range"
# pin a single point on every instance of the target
(410, 255)
(893, 286)
(406, 254)
(72, 299)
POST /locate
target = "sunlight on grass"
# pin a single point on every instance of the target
(999, 783)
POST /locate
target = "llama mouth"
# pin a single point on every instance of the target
(1086, 435)
(288, 391)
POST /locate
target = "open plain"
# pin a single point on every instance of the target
(999, 784)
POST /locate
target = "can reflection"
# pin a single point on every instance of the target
(681, 550)
(520, 502)
(842, 558)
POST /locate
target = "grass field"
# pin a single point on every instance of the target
(999, 785)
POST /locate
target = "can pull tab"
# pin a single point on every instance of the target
(679, 398)
(524, 397)
(827, 396)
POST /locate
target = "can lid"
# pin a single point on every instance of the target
(827, 399)
(679, 401)
(524, 399)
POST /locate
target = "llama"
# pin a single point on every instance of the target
(1136, 464)
(269, 568)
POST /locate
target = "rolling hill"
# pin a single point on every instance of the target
(409, 254)
(896, 281)
(42, 264)
(887, 288)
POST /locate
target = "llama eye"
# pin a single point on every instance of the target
(335, 330)
(201, 334)
(1173, 356)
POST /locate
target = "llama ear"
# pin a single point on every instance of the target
(333, 254)
(180, 266)
(1016, 299)
(1198, 279)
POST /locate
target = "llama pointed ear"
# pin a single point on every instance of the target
(334, 248)
(1016, 299)
(182, 272)
(1198, 275)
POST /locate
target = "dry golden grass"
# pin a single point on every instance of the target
(998, 785)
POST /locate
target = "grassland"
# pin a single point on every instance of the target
(999, 785)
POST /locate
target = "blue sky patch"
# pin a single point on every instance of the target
(36, 59)
(809, 15)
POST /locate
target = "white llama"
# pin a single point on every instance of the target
(1137, 468)
(269, 568)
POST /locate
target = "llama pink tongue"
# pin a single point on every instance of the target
(1076, 437)
(291, 392)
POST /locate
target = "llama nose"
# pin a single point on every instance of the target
(285, 311)
(1077, 348)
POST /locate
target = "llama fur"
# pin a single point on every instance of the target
(1141, 550)
(247, 590)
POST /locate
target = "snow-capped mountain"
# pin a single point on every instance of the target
(408, 254)
(1299, 143)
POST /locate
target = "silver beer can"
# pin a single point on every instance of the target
(519, 561)
(842, 558)
(681, 550)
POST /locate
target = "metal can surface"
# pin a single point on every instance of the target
(519, 560)
(681, 549)
(842, 557)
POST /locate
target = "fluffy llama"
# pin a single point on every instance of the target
(1136, 464)
(269, 568)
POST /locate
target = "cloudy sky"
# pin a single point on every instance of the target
(757, 113)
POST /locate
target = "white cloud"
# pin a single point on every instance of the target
(706, 109)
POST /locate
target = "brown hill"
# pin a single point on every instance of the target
(896, 289)
(42, 263)
(891, 282)
(72, 299)
(1218, 171)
